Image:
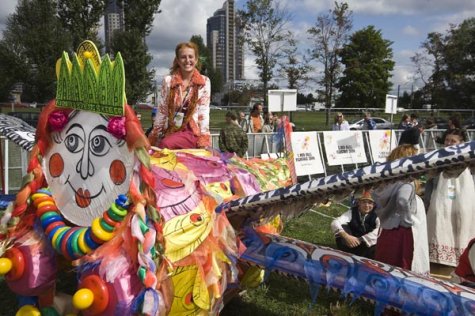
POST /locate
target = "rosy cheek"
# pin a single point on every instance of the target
(56, 165)
(117, 172)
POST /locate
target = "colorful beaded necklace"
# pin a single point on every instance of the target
(75, 242)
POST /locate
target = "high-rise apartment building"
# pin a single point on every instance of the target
(222, 41)
(113, 20)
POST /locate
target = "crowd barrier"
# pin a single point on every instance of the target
(263, 145)
(14, 159)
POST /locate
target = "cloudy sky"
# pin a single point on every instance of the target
(404, 22)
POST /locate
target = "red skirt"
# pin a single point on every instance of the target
(184, 139)
(396, 247)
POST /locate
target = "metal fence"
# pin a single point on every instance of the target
(15, 159)
(262, 145)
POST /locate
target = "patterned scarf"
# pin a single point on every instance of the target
(196, 83)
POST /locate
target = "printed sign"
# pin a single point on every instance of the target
(381, 142)
(344, 147)
(282, 100)
(391, 104)
(307, 157)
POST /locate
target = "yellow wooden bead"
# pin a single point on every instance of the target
(49, 202)
(37, 195)
(57, 233)
(99, 232)
(83, 299)
(28, 310)
(5, 266)
(82, 242)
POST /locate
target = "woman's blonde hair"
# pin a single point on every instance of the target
(179, 47)
(405, 150)
(402, 151)
(337, 115)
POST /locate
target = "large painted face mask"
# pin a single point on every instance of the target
(87, 167)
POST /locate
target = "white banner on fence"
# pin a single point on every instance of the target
(382, 142)
(307, 157)
(344, 147)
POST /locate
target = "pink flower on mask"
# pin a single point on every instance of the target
(116, 126)
(57, 120)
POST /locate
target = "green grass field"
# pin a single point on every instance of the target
(304, 121)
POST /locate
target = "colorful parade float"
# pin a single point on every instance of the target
(150, 231)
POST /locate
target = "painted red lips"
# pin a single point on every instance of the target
(83, 198)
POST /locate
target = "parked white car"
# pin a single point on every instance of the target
(380, 124)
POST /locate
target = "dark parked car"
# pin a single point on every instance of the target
(440, 122)
(469, 123)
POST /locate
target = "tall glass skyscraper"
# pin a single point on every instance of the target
(113, 20)
(222, 41)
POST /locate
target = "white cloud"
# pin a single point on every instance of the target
(410, 31)
(405, 53)
(250, 68)
(405, 7)
(178, 21)
(6, 8)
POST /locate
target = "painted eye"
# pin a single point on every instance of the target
(99, 145)
(196, 218)
(74, 143)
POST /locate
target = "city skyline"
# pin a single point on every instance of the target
(404, 22)
(222, 35)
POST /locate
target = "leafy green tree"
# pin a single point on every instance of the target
(264, 25)
(449, 58)
(328, 35)
(434, 87)
(11, 70)
(368, 65)
(204, 53)
(139, 15)
(305, 99)
(459, 59)
(82, 19)
(207, 68)
(292, 66)
(35, 39)
(139, 80)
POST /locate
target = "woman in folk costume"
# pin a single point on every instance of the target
(403, 238)
(451, 212)
(183, 115)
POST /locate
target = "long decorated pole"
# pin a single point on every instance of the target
(288, 147)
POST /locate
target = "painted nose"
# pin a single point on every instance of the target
(84, 166)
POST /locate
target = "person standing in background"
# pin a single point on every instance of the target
(453, 123)
(256, 121)
(451, 212)
(268, 126)
(368, 123)
(243, 122)
(405, 122)
(231, 137)
(413, 120)
(340, 123)
(154, 115)
(183, 115)
(403, 238)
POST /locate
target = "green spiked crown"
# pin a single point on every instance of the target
(89, 83)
